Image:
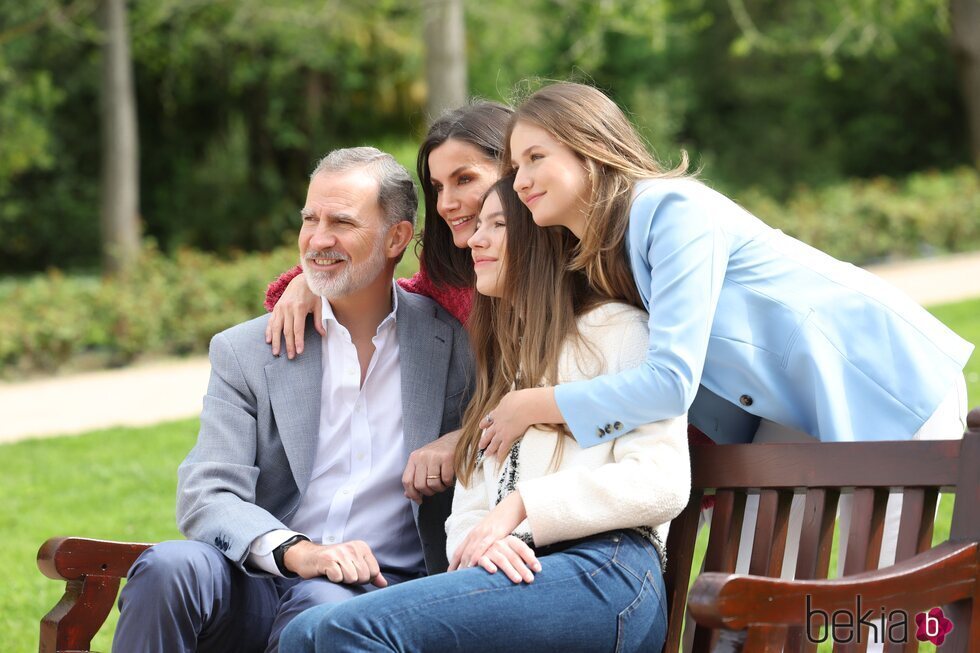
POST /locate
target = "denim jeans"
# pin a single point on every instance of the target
(601, 593)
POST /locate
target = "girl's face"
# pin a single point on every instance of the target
(460, 173)
(488, 247)
(550, 178)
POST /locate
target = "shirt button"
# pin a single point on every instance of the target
(618, 426)
(608, 428)
(601, 433)
(745, 400)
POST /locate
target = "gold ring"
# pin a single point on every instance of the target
(433, 477)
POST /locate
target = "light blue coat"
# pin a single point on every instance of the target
(767, 323)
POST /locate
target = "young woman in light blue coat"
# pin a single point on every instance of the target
(760, 319)
(767, 326)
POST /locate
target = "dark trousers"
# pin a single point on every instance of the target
(186, 596)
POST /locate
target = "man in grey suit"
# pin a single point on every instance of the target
(292, 496)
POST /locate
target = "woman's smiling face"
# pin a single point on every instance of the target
(460, 174)
(488, 247)
(551, 180)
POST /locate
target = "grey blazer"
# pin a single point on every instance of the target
(260, 422)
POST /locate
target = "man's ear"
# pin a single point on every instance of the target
(399, 236)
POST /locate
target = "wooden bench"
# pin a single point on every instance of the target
(731, 612)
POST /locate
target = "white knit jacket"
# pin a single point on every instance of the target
(642, 478)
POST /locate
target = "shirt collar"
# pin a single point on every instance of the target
(328, 314)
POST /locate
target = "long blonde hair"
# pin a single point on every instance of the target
(517, 338)
(590, 124)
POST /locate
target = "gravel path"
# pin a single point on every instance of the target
(168, 390)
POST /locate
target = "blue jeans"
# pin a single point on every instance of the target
(602, 593)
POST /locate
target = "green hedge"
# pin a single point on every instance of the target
(170, 305)
(866, 221)
(174, 304)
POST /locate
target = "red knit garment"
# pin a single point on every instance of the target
(458, 301)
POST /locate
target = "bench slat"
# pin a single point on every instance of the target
(918, 517)
(826, 464)
(771, 526)
(867, 522)
(681, 540)
(816, 543)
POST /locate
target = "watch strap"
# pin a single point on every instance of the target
(279, 554)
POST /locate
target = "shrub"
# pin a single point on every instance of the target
(174, 304)
(169, 305)
(865, 221)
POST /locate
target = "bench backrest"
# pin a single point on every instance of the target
(820, 471)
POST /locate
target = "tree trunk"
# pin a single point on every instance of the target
(120, 146)
(445, 56)
(965, 19)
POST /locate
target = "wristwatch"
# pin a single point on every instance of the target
(279, 554)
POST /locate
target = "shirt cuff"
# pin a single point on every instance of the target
(260, 550)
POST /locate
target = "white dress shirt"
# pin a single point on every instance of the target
(355, 490)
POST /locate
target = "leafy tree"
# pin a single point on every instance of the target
(238, 99)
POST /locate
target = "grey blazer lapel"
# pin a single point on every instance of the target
(294, 391)
(424, 350)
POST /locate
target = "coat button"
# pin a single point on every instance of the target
(601, 433)
(608, 428)
(745, 400)
(618, 426)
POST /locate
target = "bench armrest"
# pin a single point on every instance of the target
(942, 575)
(92, 569)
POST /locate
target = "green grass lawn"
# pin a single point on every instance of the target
(119, 484)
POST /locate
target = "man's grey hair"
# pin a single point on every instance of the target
(396, 191)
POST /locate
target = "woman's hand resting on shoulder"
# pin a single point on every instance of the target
(288, 319)
(516, 412)
(491, 545)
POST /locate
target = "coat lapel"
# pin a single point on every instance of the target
(424, 349)
(294, 391)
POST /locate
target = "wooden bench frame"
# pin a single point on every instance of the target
(731, 612)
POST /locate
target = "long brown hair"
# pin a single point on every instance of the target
(518, 338)
(481, 124)
(589, 123)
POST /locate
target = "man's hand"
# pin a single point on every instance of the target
(350, 563)
(430, 469)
